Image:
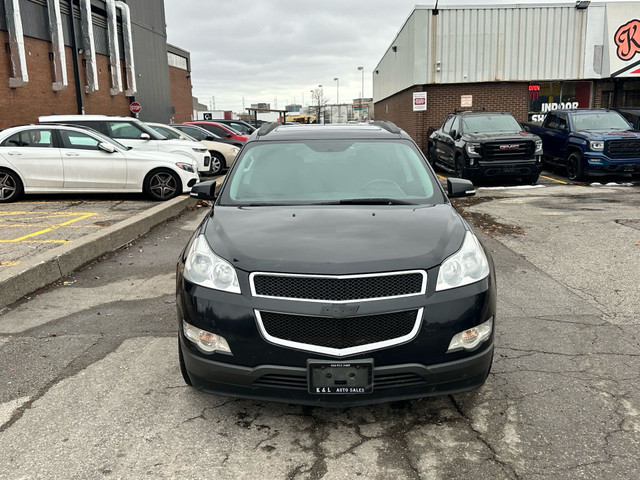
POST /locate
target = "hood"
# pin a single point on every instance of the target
(502, 136)
(335, 239)
(609, 134)
(174, 142)
(158, 156)
(219, 146)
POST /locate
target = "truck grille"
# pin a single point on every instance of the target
(499, 151)
(622, 148)
(339, 288)
(339, 335)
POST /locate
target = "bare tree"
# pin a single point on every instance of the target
(318, 104)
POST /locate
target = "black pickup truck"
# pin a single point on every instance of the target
(485, 144)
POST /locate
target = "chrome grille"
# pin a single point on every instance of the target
(348, 288)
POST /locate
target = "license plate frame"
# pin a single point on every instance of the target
(354, 377)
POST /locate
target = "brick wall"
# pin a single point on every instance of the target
(443, 99)
(25, 104)
(181, 94)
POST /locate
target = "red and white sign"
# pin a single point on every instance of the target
(419, 101)
(466, 101)
(135, 107)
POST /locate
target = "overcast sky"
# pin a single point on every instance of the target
(280, 50)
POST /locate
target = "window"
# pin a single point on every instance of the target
(166, 132)
(548, 96)
(124, 130)
(194, 132)
(447, 124)
(78, 140)
(216, 129)
(30, 138)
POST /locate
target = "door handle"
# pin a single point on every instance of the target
(15, 153)
(70, 154)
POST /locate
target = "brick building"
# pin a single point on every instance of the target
(524, 59)
(111, 54)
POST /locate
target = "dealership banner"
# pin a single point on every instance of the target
(623, 22)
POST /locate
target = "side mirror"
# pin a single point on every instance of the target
(204, 190)
(459, 187)
(145, 136)
(228, 135)
(210, 138)
(106, 147)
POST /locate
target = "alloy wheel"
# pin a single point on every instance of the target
(163, 185)
(8, 186)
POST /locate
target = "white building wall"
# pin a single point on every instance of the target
(494, 43)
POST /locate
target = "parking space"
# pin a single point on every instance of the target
(40, 222)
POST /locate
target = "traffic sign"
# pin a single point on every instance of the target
(135, 107)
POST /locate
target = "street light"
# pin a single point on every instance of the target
(337, 80)
(361, 91)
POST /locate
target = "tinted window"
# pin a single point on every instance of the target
(490, 123)
(215, 129)
(447, 124)
(240, 127)
(166, 132)
(599, 121)
(456, 125)
(78, 140)
(124, 130)
(304, 172)
(193, 132)
(30, 138)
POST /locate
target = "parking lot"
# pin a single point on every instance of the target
(90, 367)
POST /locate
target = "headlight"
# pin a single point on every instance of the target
(538, 145)
(467, 265)
(199, 149)
(472, 338)
(596, 145)
(473, 148)
(187, 167)
(203, 267)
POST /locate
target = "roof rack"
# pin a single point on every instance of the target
(387, 125)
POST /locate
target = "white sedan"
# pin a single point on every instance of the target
(63, 159)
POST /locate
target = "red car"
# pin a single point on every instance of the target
(220, 130)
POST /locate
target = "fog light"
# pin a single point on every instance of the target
(472, 338)
(206, 341)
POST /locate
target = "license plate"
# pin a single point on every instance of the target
(340, 378)
(509, 169)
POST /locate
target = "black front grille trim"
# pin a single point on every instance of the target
(380, 382)
(492, 151)
(622, 148)
(348, 288)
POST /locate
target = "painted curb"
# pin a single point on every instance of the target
(52, 265)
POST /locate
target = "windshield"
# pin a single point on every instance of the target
(600, 121)
(146, 128)
(331, 172)
(490, 123)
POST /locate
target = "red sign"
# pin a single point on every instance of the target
(135, 107)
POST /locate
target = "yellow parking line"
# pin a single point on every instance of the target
(49, 229)
(441, 176)
(8, 263)
(554, 180)
(27, 225)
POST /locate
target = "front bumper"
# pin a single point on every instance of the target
(476, 167)
(289, 384)
(596, 164)
(260, 369)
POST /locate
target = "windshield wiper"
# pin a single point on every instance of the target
(374, 201)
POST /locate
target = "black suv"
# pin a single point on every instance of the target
(485, 144)
(332, 270)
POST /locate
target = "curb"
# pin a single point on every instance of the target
(52, 265)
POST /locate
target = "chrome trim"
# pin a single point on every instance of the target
(423, 288)
(339, 352)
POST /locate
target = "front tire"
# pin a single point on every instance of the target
(11, 188)
(460, 170)
(217, 163)
(162, 185)
(574, 167)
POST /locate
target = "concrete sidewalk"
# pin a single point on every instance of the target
(50, 266)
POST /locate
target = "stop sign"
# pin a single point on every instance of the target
(135, 107)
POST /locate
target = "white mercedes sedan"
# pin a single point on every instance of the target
(65, 159)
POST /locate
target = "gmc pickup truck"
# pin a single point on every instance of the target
(485, 144)
(589, 142)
